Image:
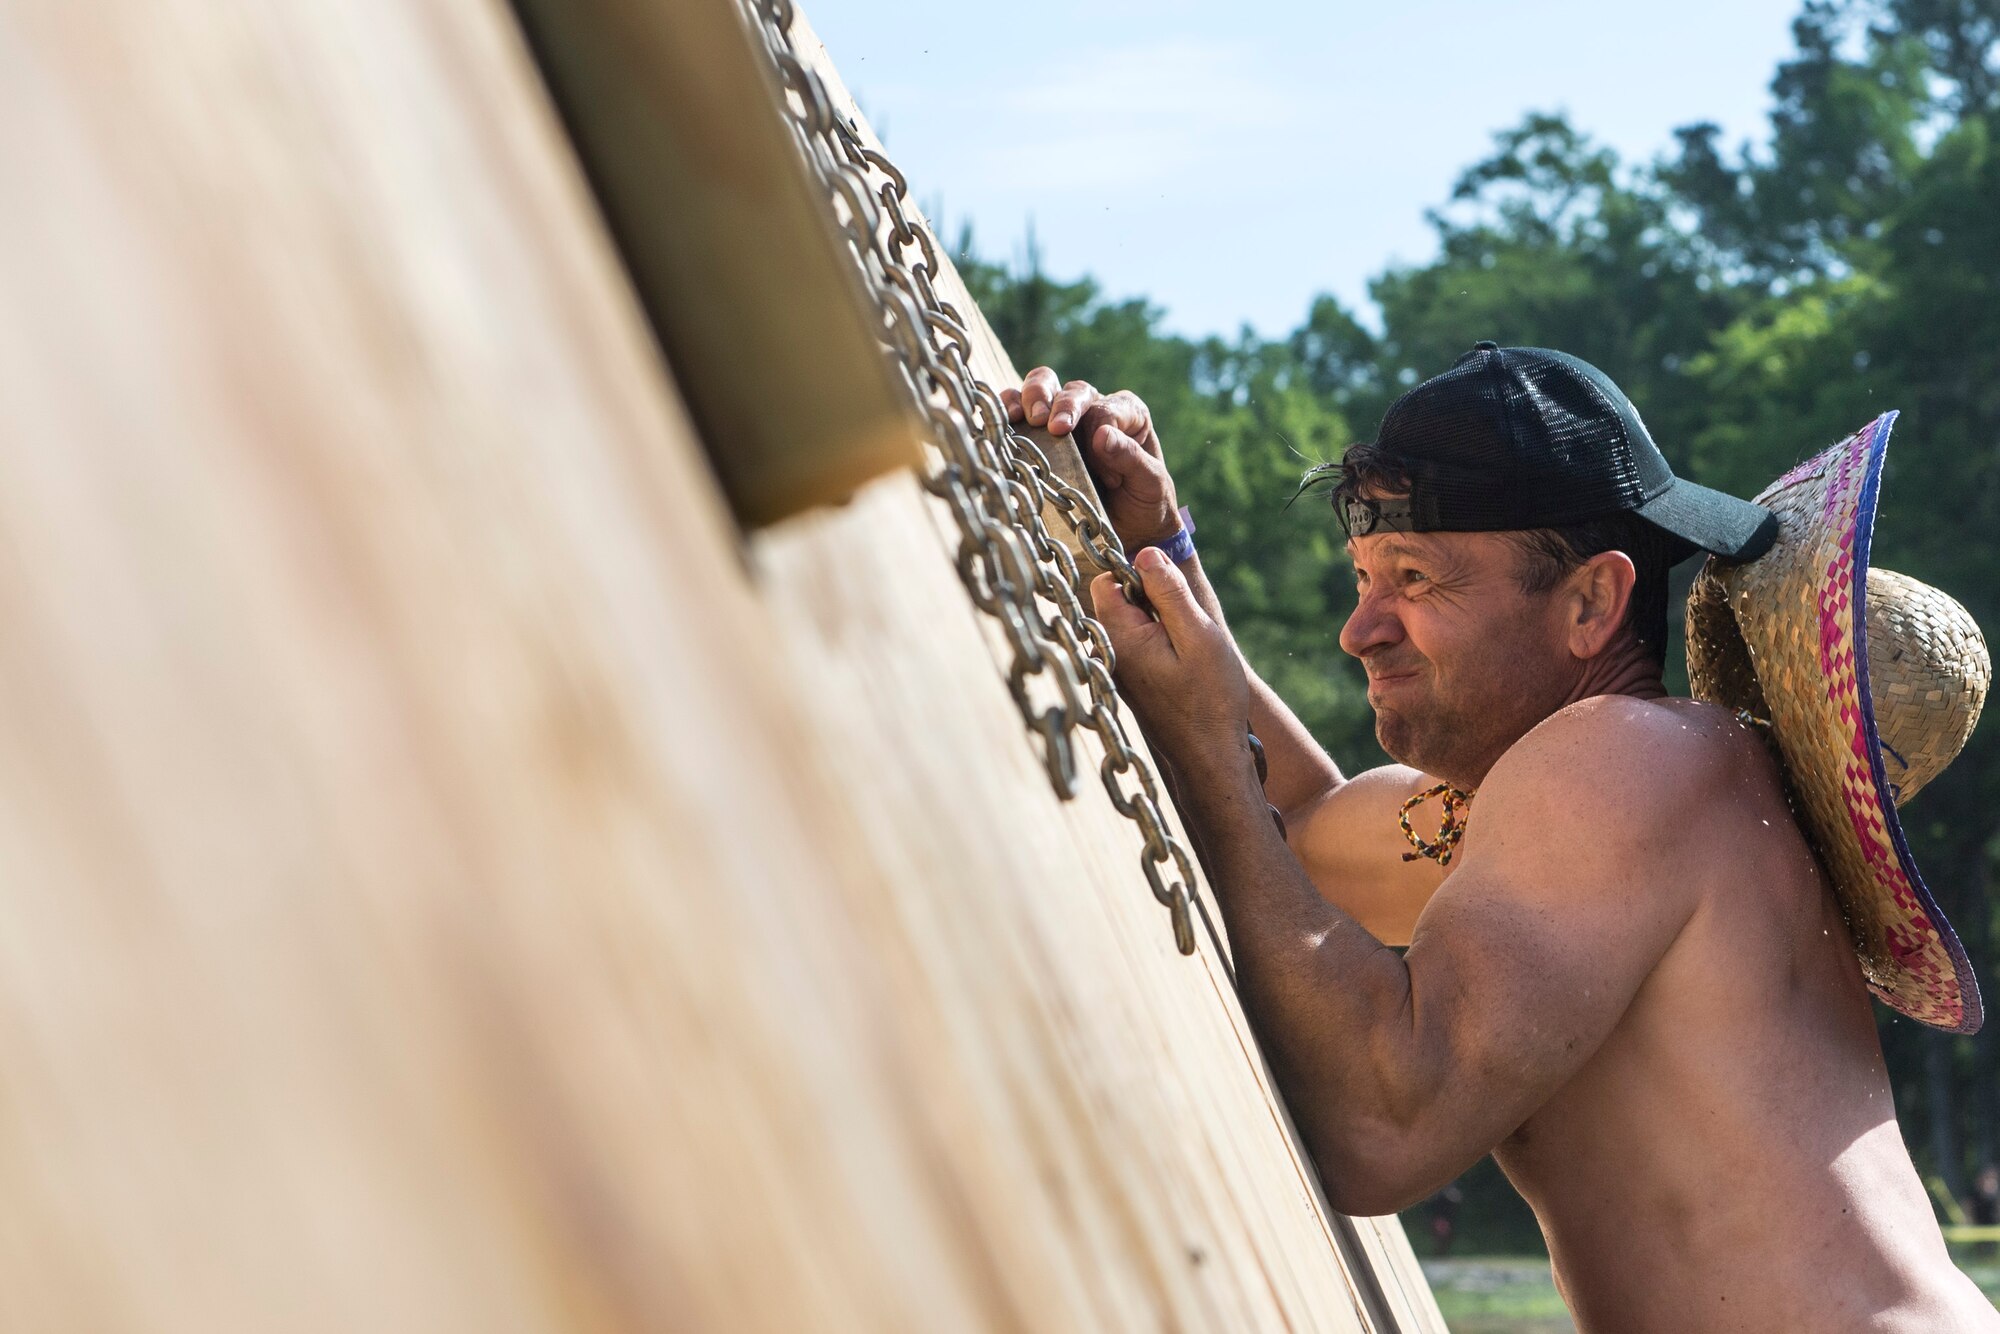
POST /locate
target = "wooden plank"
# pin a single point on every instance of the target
(1405, 1290)
(733, 253)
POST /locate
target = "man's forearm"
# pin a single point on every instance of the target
(1300, 769)
(1329, 1002)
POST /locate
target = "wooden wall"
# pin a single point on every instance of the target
(448, 879)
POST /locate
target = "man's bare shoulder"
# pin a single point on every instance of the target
(1353, 850)
(1657, 757)
(1616, 791)
(1369, 801)
(1385, 784)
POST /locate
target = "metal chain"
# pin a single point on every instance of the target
(996, 482)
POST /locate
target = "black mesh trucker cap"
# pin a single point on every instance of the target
(1525, 437)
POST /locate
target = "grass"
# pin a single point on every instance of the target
(1498, 1294)
(1513, 1294)
(1984, 1272)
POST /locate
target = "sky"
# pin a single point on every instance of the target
(1230, 159)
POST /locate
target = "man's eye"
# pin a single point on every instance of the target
(1415, 577)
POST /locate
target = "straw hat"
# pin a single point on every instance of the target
(1864, 711)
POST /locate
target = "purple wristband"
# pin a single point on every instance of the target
(1181, 545)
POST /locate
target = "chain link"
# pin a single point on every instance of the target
(996, 483)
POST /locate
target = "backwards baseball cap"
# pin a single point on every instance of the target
(1526, 437)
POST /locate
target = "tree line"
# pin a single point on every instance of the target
(1757, 302)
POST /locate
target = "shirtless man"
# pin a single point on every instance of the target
(1631, 983)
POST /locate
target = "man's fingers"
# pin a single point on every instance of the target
(1077, 406)
(1167, 589)
(1077, 398)
(1110, 454)
(1126, 412)
(1129, 413)
(1123, 464)
(1038, 391)
(1117, 451)
(1114, 611)
(1116, 455)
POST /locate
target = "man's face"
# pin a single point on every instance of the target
(1461, 662)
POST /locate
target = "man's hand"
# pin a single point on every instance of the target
(1181, 673)
(1115, 434)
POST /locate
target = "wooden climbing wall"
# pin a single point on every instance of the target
(451, 878)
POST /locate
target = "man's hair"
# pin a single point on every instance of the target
(1548, 555)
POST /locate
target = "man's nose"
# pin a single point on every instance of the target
(1370, 626)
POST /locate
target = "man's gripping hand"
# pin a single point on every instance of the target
(1180, 673)
(1121, 449)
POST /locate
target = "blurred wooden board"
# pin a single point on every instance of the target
(416, 918)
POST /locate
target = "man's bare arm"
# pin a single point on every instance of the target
(1301, 773)
(1402, 1071)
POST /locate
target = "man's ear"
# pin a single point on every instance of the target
(1600, 593)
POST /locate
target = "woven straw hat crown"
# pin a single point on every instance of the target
(1928, 674)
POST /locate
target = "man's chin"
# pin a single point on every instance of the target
(1407, 744)
(1393, 735)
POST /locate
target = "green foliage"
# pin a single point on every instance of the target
(1756, 304)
